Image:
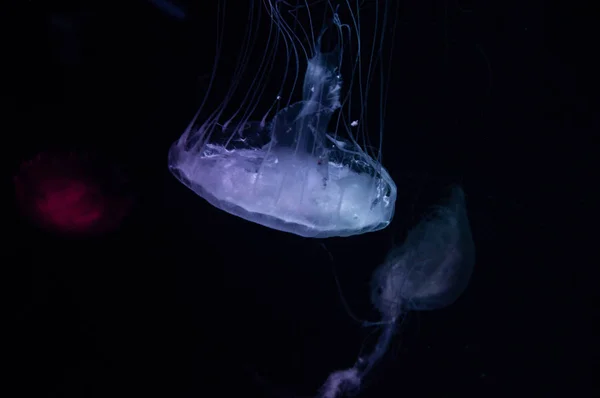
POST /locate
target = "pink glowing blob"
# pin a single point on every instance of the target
(72, 194)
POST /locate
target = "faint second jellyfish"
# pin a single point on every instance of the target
(300, 159)
(430, 270)
(72, 194)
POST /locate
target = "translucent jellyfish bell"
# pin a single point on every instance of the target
(433, 266)
(429, 271)
(303, 167)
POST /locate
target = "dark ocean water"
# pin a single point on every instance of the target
(183, 300)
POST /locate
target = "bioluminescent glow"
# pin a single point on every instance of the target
(72, 194)
(305, 163)
(430, 270)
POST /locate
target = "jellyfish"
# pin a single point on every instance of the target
(74, 194)
(429, 271)
(306, 165)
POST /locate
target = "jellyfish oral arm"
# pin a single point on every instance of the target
(339, 382)
(366, 363)
(349, 381)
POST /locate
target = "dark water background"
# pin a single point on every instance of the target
(187, 301)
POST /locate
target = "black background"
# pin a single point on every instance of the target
(185, 300)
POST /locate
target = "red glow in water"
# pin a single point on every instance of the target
(71, 194)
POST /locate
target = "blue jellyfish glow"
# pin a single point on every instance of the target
(305, 167)
(429, 271)
(169, 8)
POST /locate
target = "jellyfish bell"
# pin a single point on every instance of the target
(429, 271)
(433, 266)
(300, 167)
